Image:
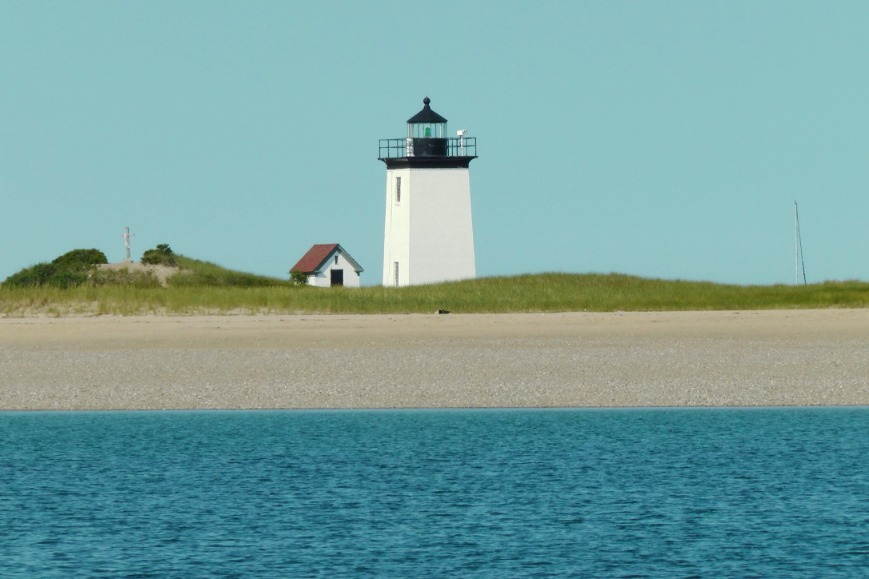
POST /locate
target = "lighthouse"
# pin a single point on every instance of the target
(429, 236)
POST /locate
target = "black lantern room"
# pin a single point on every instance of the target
(427, 143)
(427, 133)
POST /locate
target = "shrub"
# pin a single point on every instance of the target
(69, 270)
(80, 259)
(298, 278)
(161, 255)
(36, 275)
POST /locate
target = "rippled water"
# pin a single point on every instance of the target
(769, 492)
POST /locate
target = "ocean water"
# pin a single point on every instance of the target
(471, 493)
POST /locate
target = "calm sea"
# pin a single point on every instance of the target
(614, 493)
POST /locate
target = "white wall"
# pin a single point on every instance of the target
(430, 230)
(323, 277)
(396, 240)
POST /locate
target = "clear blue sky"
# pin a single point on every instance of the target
(662, 139)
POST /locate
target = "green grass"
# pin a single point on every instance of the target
(205, 288)
(199, 274)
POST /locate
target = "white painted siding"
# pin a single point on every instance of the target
(429, 233)
(441, 229)
(323, 276)
(396, 240)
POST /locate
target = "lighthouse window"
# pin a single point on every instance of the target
(398, 189)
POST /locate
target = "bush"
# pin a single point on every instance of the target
(69, 270)
(298, 278)
(80, 259)
(161, 255)
(36, 275)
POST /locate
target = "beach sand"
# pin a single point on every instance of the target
(745, 358)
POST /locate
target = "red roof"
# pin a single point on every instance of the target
(315, 257)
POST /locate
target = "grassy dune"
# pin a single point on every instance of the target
(204, 288)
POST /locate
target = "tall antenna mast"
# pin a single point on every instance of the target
(127, 236)
(799, 260)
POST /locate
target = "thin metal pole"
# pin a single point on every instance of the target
(796, 249)
(799, 258)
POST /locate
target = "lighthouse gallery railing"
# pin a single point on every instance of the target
(455, 147)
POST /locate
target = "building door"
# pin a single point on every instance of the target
(337, 277)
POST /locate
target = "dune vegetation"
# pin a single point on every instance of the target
(205, 288)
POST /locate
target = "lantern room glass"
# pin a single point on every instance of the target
(427, 130)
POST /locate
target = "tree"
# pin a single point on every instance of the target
(161, 255)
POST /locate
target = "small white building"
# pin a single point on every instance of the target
(328, 265)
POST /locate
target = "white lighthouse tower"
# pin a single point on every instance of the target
(429, 235)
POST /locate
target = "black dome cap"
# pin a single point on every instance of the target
(426, 115)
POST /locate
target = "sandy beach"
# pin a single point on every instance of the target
(748, 358)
